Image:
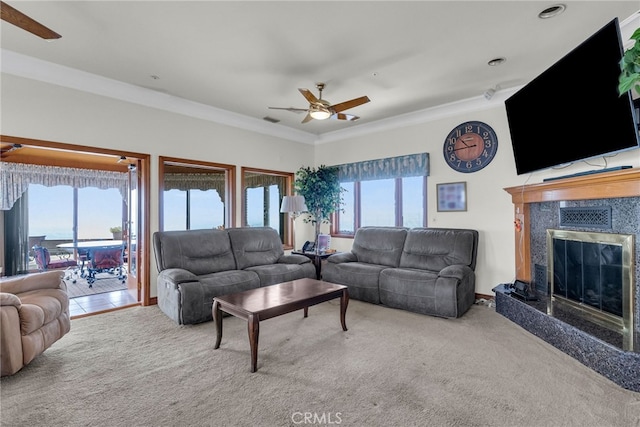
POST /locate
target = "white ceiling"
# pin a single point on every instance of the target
(229, 61)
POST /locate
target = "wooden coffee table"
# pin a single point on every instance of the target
(270, 301)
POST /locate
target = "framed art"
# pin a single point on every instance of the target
(452, 197)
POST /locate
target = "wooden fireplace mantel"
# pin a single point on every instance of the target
(606, 185)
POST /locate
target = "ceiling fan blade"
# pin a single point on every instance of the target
(343, 116)
(292, 109)
(307, 118)
(350, 104)
(19, 19)
(309, 96)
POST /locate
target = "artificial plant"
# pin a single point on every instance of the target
(630, 65)
(322, 193)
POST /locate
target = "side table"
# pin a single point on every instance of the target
(316, 258)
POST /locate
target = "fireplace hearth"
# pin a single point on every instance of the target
(580, 310)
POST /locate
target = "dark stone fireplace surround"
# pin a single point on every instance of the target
(537, 206)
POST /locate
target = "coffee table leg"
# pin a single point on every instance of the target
(344, 302)
(254, 330)
(217, 317)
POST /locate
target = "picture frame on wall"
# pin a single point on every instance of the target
(452, 197)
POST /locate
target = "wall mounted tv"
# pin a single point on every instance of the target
(572, 111)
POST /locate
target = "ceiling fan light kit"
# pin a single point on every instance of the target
(319, 112)
(320, 109)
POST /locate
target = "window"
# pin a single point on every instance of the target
(383, 192)
(195, 195)
(387, 202)
(96, 211)
(262, 195)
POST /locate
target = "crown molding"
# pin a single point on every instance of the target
(36, 69)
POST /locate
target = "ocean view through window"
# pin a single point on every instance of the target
(51, 212)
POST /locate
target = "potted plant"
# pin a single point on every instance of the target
(322, 193)
(630, 65)
(117, 232)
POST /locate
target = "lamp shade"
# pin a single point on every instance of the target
(293, 204)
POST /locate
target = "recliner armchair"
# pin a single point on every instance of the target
(34, 314)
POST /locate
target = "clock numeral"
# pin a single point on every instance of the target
(488, 143)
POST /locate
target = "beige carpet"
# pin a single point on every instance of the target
(135, 367)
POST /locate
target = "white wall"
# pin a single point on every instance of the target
(38, 110)
(32, 109)
(489, 207)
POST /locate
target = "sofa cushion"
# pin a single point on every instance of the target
(283, 272)
(409, 289)
(379, 245)
(196, 298)
(255, 246)
(434, 248)
(204, 252)
(360, 278)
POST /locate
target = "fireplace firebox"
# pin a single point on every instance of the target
(592, 273)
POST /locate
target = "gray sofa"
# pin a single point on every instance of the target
(194, 266)
(423, 270)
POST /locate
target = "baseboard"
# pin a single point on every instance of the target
(487, 297)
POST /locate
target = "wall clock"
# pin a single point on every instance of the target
(470, 146)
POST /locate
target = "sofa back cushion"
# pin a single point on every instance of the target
(379, 245)
(254, 246)
(436, 248)
(198, 251)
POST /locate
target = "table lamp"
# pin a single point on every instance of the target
(294, 206)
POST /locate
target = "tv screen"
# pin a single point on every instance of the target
(572, 111)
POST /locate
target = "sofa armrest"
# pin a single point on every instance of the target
(293, 259)
(456, 271)
(177, 276)
(342, 257)
(30, 282)
(9, 299)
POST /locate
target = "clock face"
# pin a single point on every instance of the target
(470, 146)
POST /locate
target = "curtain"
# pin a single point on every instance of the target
(16, 177)
(16, 250)
(196, 181)
(390, 167)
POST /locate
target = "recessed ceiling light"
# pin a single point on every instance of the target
(496, 61)
(552, 11)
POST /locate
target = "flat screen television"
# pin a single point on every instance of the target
(572, 111)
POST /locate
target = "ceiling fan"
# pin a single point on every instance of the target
(321, 109)
(19, 19)
(7, 148)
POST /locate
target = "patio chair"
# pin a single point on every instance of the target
(34, 241)
(106, 261)
(44, 262)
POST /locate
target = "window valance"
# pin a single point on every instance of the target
(264, 180)
(390, 167)
(16, 177)
(196, 181)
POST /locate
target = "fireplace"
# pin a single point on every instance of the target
(578, 311)
(591, 273)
